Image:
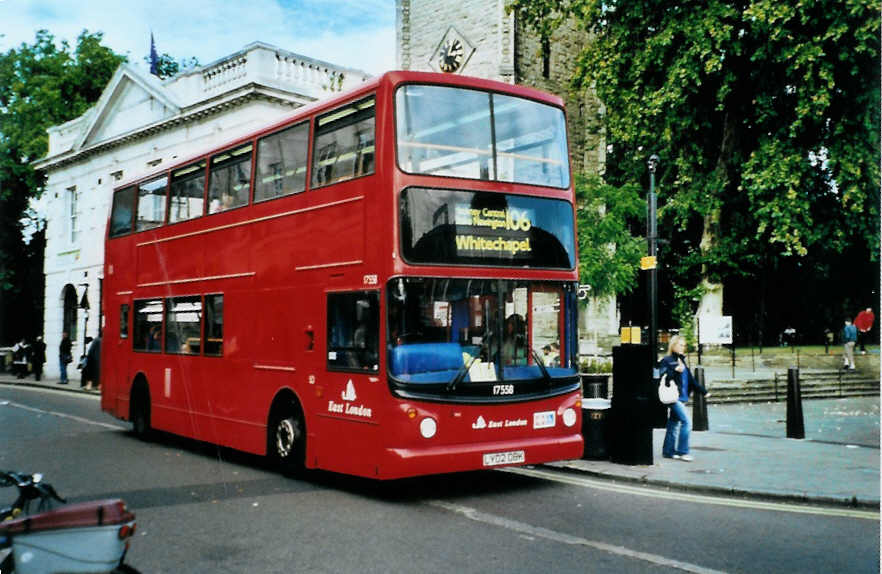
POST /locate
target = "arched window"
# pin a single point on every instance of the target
(69, 321)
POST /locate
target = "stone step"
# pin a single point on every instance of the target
(765, 391)
(768, 398)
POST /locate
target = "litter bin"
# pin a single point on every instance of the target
(595, 420)
(595, 386)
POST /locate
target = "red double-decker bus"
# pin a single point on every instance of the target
(383, 285)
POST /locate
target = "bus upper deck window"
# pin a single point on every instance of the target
(230, 180)
(344, 144)
(281, 163)
(122, 212)
(151, 203)
(187, 192)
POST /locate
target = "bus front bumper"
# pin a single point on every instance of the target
(405, 462)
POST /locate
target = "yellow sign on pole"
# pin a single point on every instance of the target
(630, 335)
(648, 262)
(635, 335)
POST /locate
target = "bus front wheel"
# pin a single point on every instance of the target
(287, 439)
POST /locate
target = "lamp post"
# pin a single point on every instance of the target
(84, 305)
(652, 239)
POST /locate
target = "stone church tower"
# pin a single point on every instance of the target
(479, 38)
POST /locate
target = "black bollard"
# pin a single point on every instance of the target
(699, 406)
(795, 426)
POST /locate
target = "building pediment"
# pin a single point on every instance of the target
(130, 102)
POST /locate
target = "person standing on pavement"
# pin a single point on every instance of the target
(64, 356)
(20, 359)
(83, 365)
(864, 322)
(849, 336)
(674, 366)
(38, 357)
(92, 368)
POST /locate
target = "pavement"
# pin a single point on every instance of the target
(744, 453)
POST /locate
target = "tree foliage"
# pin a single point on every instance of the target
(41, 84)
(765, 114)
(168, 67)
(608, 252)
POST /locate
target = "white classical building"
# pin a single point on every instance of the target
(139, 124)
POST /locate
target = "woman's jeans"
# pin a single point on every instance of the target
(677, 417)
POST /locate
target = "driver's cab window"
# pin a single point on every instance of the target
(353, 331)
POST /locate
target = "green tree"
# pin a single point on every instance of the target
(766, 117)
(608, 253)
(168, 67)
(41, 85)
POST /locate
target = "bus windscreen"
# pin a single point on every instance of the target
(466, 133)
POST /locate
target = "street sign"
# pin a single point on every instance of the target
(715, 329)
(648, 262)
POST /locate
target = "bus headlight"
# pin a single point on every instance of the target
(569, 417)
(428, 427)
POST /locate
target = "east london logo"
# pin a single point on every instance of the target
(483, 424)
(346, 407)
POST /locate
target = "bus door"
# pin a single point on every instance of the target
(546, 330)
(353, 391)
(115, 376)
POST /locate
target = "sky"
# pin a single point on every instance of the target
(357, 34)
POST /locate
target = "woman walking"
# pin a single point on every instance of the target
(674, 365)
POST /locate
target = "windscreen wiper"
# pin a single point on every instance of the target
(541, 365)
(460, 374)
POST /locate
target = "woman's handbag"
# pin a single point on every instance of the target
(668, 393)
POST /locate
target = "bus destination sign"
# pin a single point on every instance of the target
(509, 227)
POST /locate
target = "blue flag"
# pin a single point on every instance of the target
(154, 59)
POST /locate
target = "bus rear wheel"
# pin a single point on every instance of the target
(287, 440)
(140, 413)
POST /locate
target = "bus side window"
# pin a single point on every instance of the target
(353, 330)
(229, 182)
(183, 325)
(281, 163)
(214, 325)
(124, 321)
(344, 143)
(148, 325)
(122, 212)
(151, 203)
(187, 192)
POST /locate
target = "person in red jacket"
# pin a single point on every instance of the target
(864, 322)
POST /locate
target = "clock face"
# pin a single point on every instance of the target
(450, 58)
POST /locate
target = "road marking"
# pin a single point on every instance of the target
(62, 415)
(680, 496)
(528, 530)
